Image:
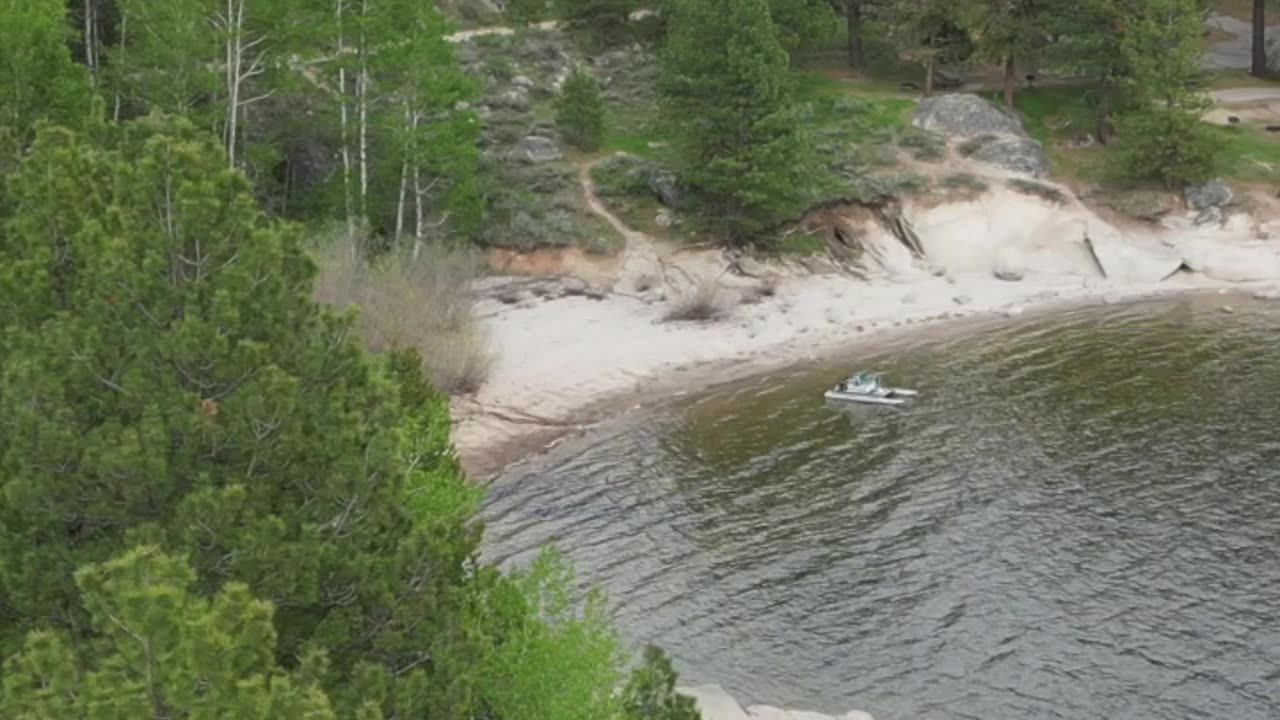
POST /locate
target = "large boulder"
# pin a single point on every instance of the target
(1020, 154)
(1213, 194)
(537, 149)
(663, 185)
(1230, 262)
(965, 115)
(1127, 260)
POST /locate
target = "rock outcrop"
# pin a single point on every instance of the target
(1128, 260)
(994, 136)
(537, 149)
(716, 704)
(1020, 154)
(1229, 262)
(964, 115)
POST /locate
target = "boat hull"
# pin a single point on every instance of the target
(838, 396)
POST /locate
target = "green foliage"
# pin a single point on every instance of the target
(1162, 135)
(38, 80)
(964, 184)
(159, 650)
(623, 174)
(746, 156)
(600, 22)
(650, 693)
(580, 111)
(925, 145)
(549, 660)
(803, 23)
(1040, 190)
(523, 13)
(167, 379)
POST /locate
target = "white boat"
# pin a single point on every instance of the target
(865, 387)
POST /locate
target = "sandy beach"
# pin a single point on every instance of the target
(562, 364)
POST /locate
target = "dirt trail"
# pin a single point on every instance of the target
(642, 255)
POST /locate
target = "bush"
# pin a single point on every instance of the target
(622, 174)
(580, 111)
(974, 144)
(1040, 190)
(925, 145)
(1170, 146)
(413, 302)
(704, 300)
(964, 183)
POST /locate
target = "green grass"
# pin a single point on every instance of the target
(1247, 154)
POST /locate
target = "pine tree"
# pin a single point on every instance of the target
(1009, 32)
(651, 694)
(165, 377)
(1162, 135)
(735, 128)
(159, 650)
(38, 79)
(580, 111)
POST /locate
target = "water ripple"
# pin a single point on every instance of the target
(1079, 519)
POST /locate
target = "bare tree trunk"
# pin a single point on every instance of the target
(235, 17)
(349, 202)
(419, 213)
(91, 40)
(853, 23)
(409, 123)
(1008, 80)
(119, 71)
(1258, 67)
(362, 103)
(928, 77)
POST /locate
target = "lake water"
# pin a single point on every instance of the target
(1080, 518)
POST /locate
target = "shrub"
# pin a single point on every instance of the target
(705, 299)
(974, 144)
(964, 183)
(925, 145)
(580, 111)
(1040, 190)
(1167, 145)
(420, 302)
(623, 174)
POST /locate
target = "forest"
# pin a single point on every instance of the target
(219, 497)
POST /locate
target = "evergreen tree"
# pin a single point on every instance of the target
(159, 650)
(601, 22)
(734, 126)
(38, 79)
(166, 378)
(802, 23)
(1008, 32)
(1162, 135)
(650, 693)
(580, 111)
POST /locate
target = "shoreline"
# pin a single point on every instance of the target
(492, 441)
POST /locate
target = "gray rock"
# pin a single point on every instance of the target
(522, 81)
(965, 115)
(1124, 259)
(1209, 216)
(515, 98)
(1008, 271)
(1020, 154)
(664, 219)
(1213, 194)
(535, 148)
(663, 185)
(962, 299)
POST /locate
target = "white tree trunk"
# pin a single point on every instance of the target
(120, 71)
(419, 222)
(362, 103)
(235, 16)
(91, 37)
(339, 8)
(404, 175)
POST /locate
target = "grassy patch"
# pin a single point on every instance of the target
(800, 243)
(1247, 154)
(924, 145)
(1040, 190)
(963, 185)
